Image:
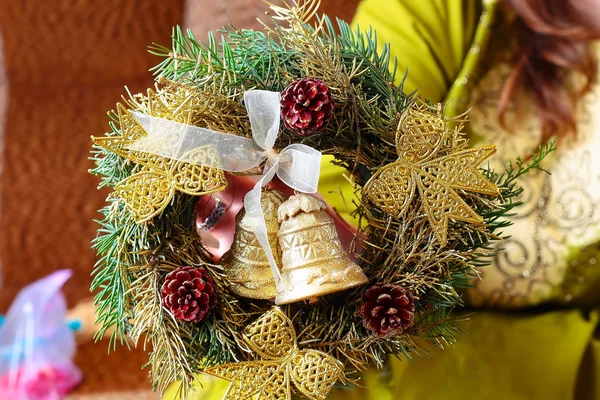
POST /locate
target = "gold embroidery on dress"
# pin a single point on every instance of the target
(561, 210)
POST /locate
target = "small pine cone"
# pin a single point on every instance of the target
(188, 293)
(306, 106)
(387, 309)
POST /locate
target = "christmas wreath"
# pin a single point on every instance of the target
(287, 309)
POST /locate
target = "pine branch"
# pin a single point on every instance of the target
(497, 214)
(244, 59)
(376, 75)
(118, 243)
(514, 170)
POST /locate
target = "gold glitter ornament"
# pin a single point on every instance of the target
(420, 136)
(148, 191)
(314, 263)
(246, 264)
(280, 365)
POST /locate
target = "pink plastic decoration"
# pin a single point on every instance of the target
(36, 345)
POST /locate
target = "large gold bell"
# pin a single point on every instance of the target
(246, 263)
(313, 260)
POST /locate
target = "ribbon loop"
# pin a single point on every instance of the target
(263, 111)
(298, 165)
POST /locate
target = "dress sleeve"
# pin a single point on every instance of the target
(430, 38)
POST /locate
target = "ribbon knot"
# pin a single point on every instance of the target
(271, 154)
(297, 165)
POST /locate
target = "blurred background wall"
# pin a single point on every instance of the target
(63, 65)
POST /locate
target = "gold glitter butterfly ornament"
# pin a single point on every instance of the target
(151, 188)
(282, 364)
(420, 137)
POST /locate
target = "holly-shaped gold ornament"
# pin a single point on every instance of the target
(420, 137)
(280, 364)
(151, 188)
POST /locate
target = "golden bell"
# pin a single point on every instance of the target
(314, 263)
(246, 263)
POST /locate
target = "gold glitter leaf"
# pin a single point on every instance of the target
(148, 192)
(423, 133)
(193, 179)
(419, 139)
(140, 193)
(273, 338)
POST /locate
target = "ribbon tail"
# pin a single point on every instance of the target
(195, 145)
(252, 204)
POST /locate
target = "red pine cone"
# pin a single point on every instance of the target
(387, 309)
(306, 106)
(188, 293)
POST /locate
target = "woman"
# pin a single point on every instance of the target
(527, 69)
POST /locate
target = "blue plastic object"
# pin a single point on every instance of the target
(75, 325)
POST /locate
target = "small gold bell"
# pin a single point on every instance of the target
(313, 260)
(246, 263)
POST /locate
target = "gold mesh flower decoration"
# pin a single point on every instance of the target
(420, 137)
(148, 191)
(281, 364)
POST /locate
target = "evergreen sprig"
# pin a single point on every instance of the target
(240, 60)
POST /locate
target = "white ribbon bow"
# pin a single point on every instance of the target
(298, 165)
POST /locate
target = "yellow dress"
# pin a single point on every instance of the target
(512, 351)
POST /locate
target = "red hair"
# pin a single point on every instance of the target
(554, 40)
